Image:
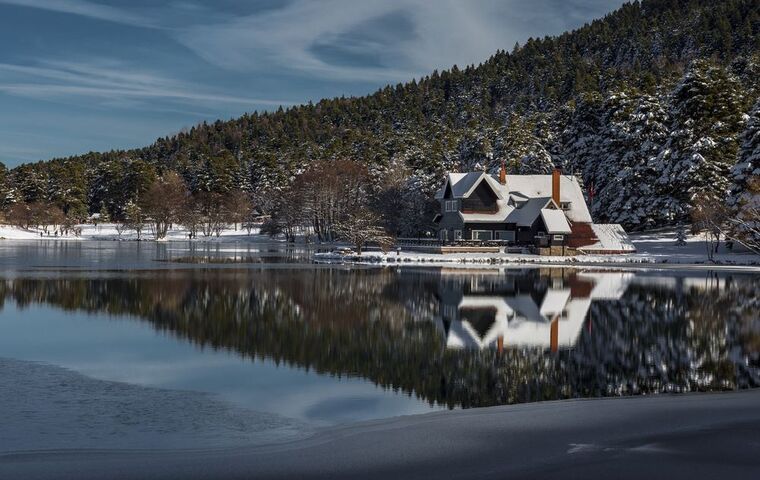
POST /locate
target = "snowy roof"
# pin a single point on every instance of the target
(500, 216)
(522, 186)
(554, 302)
(525, 215)
(608, 285)
(611, 237)
(555, 221)
(521, 322)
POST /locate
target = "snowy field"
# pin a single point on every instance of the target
(108, 231)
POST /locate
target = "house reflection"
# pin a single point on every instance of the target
(515, 309)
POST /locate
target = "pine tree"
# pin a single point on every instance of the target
(680, 235)
(707, 114)
(745, 190)
(636, 130)
(521, 148)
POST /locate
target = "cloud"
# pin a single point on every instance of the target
(86, 9)
(113, 83)
(387, 41)
(345, 40)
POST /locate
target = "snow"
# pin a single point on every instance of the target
(656, 247)
(652, 249)
(612, 238)
(529, 186)
(555, 221)
(107, 231)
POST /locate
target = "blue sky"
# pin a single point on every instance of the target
(84, 75)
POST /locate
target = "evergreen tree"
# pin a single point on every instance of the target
(745, 190)
(707, 115)
(680, 235)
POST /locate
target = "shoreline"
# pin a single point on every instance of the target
(485, 261)
(692, 435)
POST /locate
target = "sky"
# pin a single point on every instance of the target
(96, 75)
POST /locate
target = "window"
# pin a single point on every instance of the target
(540, 234)
(457, 234)
(451, 205)
(505, 235)
(444, 235)
(564, 205)
(558, 238)
(482, 235)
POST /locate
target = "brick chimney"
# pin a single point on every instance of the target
(555, 186)
(503, 173)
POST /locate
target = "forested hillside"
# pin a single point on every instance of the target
(652, 105)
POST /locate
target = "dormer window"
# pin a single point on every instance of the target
(452, 205)
(564, 205)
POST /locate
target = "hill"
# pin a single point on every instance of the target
(652, 105)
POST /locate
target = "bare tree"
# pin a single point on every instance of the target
(213, 212)
(329, 190)
(191, 216)
(744, 224)
(709, 216)
(238, 206)
(163, 203)
(362, 227)
(287, 215)
(20, 215)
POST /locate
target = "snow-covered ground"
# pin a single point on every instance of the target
(653, 248)
(108, 231)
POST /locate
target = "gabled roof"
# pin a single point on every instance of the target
(555, 221)
(463, 184)
(528, 212)
(521, 187)
(541, 186)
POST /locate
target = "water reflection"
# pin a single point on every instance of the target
(481, 311)
(451, 337)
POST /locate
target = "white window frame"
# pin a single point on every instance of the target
(558, 238)
(540, 234)
(444, 235)
(451, 206)
(474, 235)
(511, 232)
(457, 234)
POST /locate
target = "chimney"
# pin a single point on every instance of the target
(503, 173)
(555, 186)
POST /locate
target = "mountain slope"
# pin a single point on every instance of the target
(647, 104)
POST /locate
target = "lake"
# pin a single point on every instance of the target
(134, 345)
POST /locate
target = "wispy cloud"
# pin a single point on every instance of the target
(88, 9)
(110, 82)
(384, 41)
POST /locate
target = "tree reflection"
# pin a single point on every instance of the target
(451, 337)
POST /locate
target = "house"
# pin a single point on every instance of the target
(546, 211)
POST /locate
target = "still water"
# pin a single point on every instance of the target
(123, 345)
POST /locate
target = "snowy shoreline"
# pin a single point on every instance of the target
(655, 249)
(475, 260)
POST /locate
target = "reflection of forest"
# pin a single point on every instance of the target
(520, 336)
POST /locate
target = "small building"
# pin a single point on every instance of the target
(547, 212)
